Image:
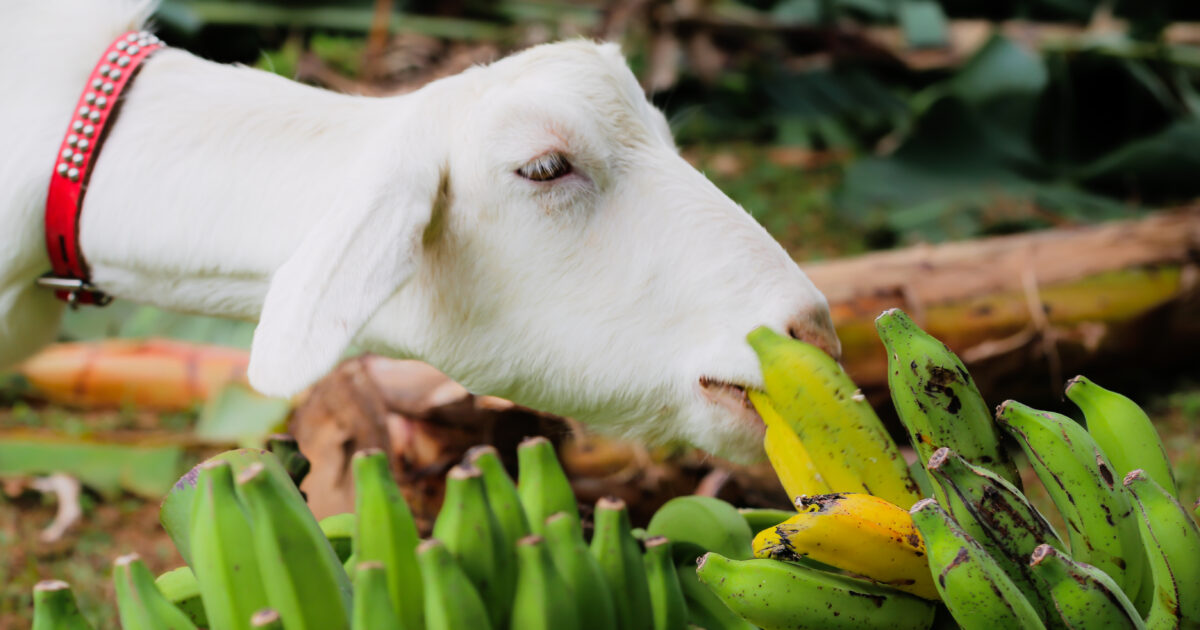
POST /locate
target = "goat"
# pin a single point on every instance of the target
(528, 227)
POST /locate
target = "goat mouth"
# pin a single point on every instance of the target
(733, 396)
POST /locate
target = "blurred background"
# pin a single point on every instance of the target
(1021, 176)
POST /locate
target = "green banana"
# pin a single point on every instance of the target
(844, 439)
(542, 484)
(1083, 596)
(936, 398)
(777, 595)
(704, 608)
(759, 519)
(471, 532)
(502, 493)
(386, 533)
(1172, 543)
(54, 607)
(666, 596)
(301, 574)
(1123, 431)
(1080, 480)
(181, 588)
(973, 586)
(266, 619)
(593, 598)
(617, 553)
(696, 524)
(451, 600)
(373, 608)
(287, 449)
(542, 600)
(339, 530)
(223, 559)
(1009, 528)
(140, 605)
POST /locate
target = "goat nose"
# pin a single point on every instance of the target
(816, 327)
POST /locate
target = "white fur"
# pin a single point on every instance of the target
(400, 224)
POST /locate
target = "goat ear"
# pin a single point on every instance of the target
(349, 264)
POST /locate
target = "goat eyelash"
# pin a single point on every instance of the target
(545, 168)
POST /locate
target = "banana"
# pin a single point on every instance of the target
(666, 596)
(451, 601)
(936, 398)
(54, 607)
(301, 574)
(373, 608)
(761, 518)
(858, 533)
(704, 609)
(223, 559)
(140, 605)
(776, 595)
(1080, 480)
(837, 426)
(1172, 543)
(471, 532)
(542, 484)
(542, 600)
(793, 465)
(1083, 596)
(593, 598)
(616, 551)
(1000, 519)
(266, 619)
(1123, 431)
(287, 449)
(180, 587)
(502, 494)
(339, 531)
(696, 524)
(387, 534)
(973, 586)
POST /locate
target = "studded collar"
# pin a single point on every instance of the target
(90, 122)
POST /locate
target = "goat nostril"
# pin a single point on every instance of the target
(810, 331)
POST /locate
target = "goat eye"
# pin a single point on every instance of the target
(545, 168)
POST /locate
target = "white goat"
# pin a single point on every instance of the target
(528, 227)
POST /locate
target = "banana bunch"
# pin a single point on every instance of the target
(1130, 557)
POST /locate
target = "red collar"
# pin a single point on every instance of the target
(90, 124)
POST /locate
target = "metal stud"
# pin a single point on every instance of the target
(123, 61)
(83, 111)
(114, 74)
(77, 159)
(83, 144)
(112, 56)
(62, 169)
(144, 43)
(133, 50)
(101, 102)
(94, 116)
(72, 140)
(96, 83)
(73, 174)
(104, 68)
(131, 37)
(122, 44)
(88, 130)
(77, 126)
(67, 153)
(89, 98)
(107, 88)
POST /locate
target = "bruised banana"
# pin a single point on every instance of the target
(1172, 543)
(666, 596)
(1123, 431)
(858, 533)
(302, 576)
(1083, 596)
(1080, 480)
(542, 600)
(776, 595)
(620, 560)
(223, 558)
(936, 399)
(140, 605)
(373, 608)
(593, 598)
(451, 600)
(837, 426)
(977, 591)
(785, 451)
(55, 608)
(542, 483)
(387, 534)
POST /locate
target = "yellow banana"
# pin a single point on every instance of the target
(858, 533)
(845, 439)
(789, 458)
